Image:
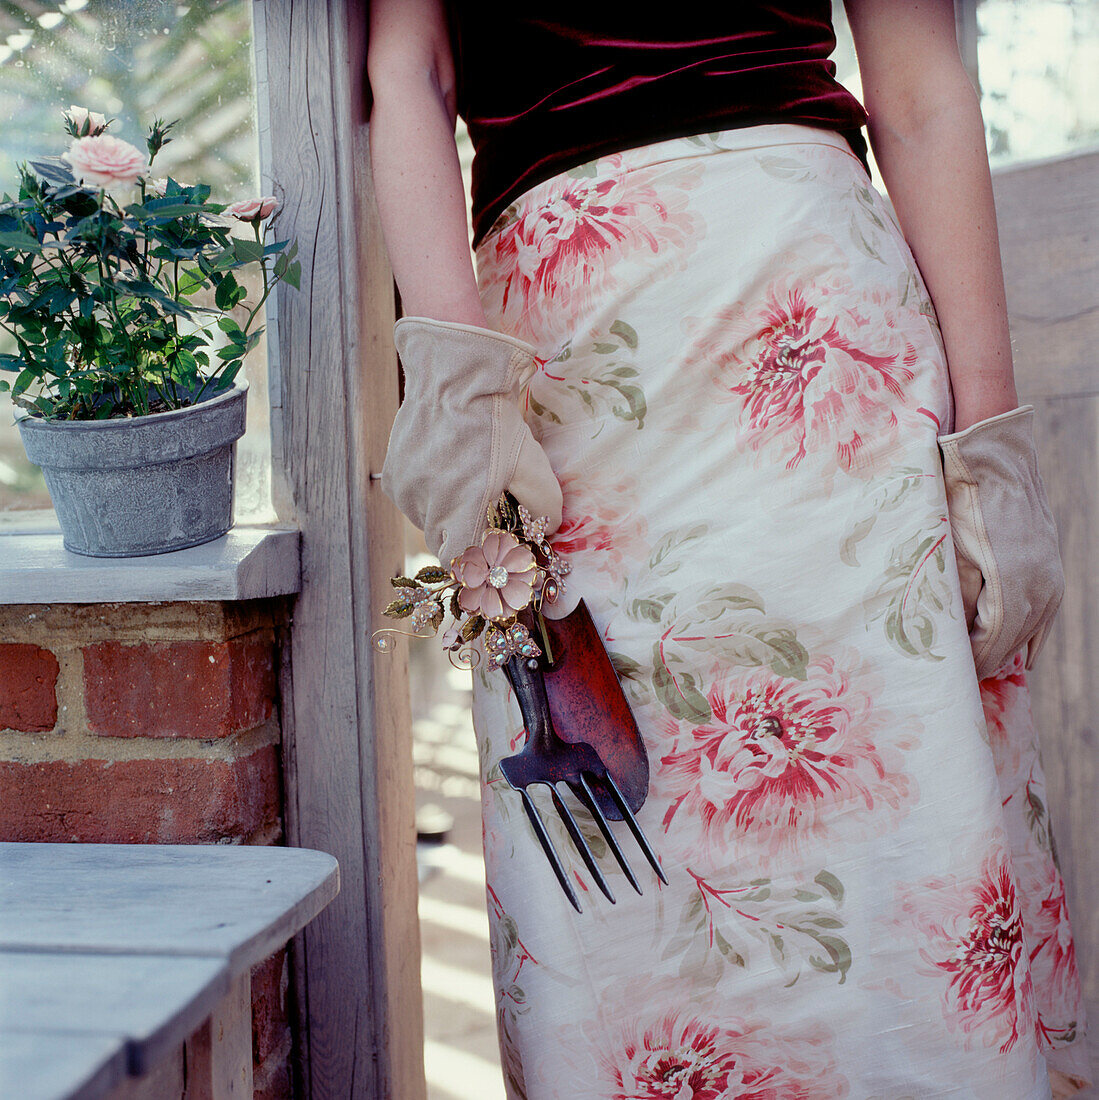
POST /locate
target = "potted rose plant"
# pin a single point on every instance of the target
(130, 325)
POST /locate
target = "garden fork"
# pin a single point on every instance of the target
(580, 731)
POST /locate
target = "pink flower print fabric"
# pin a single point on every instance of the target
(660, 1043)
(556, 254)
(783, 763)
(814, 367)
(970, 931)
(740, 385)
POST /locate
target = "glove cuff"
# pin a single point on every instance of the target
(412, 334)
(1001, 420)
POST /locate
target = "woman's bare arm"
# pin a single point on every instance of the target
(928, 139)
(417, 179)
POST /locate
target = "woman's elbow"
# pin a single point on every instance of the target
(909, 111)
(395, 74)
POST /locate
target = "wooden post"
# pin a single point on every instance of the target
(346, 722)
(219, 1054)
(1048, 214)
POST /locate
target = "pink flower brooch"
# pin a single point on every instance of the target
(485, 589)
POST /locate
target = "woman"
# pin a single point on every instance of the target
(731, 367)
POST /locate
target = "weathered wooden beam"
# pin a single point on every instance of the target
(1048, 215)
(346, 720)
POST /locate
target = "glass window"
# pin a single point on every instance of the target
(1038, 69)
(1038, 62)
(135, 60)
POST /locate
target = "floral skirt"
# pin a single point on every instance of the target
(741, 381)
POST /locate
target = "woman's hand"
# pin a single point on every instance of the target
(459, 439)
(1004, 538)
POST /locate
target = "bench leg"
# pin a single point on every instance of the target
(219, 1054)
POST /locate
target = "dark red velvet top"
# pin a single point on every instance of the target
(546, 86)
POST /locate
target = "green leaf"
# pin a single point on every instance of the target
(839, 956)
(626, 333)
(726, 949)
(649, 610)
(25, 378)
(190, 281)
(247, 251)
(828, 881)
(20, 242)
(161, 208)
(293, 275)
(433, 574)
(680, 698)
(229, 373)
(229, 326)
(583, 171)
(226, 294)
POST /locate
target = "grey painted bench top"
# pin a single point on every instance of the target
(237, 902)
(112, 954)
(149, 1002)
(44, 1065)
(246, 563)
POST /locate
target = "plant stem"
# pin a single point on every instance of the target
(267, 285)
(134, 390)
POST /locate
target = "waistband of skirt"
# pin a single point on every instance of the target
(717, 143)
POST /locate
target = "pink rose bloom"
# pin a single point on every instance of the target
(86, 122)
(251, 210)
(106, 161)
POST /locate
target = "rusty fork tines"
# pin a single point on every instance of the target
(549, 760)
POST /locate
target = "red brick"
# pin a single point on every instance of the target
(183, 801)
(179, 689)
(28, 688)
(270, 1023)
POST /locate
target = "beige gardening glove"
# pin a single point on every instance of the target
(1005, 539)
(459, 438)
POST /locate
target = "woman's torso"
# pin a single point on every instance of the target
(545, 87)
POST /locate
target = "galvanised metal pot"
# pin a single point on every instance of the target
(129, 486)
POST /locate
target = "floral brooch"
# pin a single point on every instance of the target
(485, 589)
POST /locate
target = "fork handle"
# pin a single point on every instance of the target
(529, 685)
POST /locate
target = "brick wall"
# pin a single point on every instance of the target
(150, 723)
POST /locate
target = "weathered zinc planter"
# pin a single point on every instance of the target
(128, 486)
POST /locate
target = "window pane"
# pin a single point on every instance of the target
(1039, 70)
(135, 60)
(1038, 66)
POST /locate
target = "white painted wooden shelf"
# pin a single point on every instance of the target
(249, 562)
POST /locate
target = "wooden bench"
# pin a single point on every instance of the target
(115, 957)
